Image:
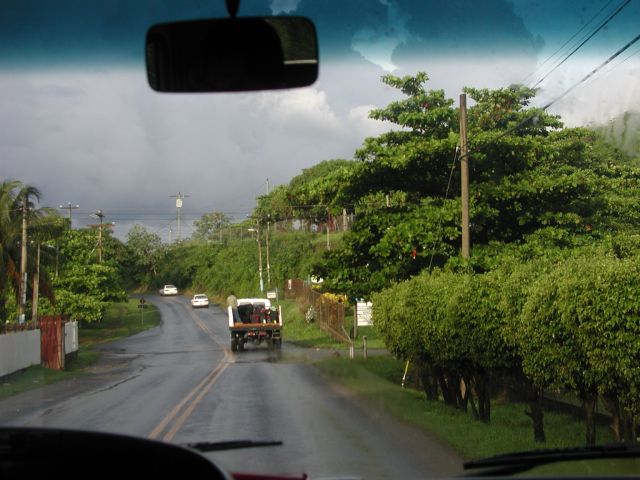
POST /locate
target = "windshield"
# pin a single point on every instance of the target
(427, 256)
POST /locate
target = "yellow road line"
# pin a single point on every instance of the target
(198, 392)
(180, 421)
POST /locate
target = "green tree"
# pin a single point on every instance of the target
(579, 330)
(209, 225)
(43, 225)
(84, 287)
(315, 194)
(529, 175)
(145, 251)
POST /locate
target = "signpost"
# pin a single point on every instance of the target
(364, 314)
(142, 305)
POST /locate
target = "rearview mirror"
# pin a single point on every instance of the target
(232, 54)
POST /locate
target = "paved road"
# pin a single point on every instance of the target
(180, 383)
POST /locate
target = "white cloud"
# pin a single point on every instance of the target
(283, 6)
(306, 110)
(365, 126)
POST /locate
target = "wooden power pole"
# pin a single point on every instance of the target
(23, 261)
(464, 177)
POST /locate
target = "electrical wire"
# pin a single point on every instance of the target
(566, 42)
(589, 37)
(593, 72)
(446, 195)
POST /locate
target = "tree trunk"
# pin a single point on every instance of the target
(474, 409)
(537, 415)
(450, 387)
(456, 386)
(428, 385)
(589, 406)
(481, 387)
(612, 405)
(629, 430)
(444, 388)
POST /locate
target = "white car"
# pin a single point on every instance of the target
(200, 300)
(169, 290)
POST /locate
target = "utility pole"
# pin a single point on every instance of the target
(99, 214)
(36, 289)
(179, 197)
(267, 243)
(464, 176)
(23, 261)
(257, 231)
(260, 258)
(328, 222)
(268, 260)
(69, 207)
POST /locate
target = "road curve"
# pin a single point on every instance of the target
(180, 383)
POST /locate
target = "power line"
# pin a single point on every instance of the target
(593, 72)
(613, 67)
(564, 94)
(446, 195)
(566, 42)
(589, 37)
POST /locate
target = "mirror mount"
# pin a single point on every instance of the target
(232, 7)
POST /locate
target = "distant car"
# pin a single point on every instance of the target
(168, 290)
(200, 300)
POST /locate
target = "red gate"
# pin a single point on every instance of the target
(52, 341)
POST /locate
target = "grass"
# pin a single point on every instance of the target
(121, 320)
(378, 380)
(304, 334)
(310, 335)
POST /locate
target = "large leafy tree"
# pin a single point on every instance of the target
(528, 174)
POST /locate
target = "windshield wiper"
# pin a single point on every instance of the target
(231, 445)
(522, 461)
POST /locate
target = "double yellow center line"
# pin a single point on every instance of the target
(170, 424)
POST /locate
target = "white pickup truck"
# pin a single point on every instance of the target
(168, 290)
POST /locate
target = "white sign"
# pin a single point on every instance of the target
(364, 314)
(271, 295)
(178, 202)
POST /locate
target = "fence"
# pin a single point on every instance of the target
(50, 345)
(328, 313)
(19, 349)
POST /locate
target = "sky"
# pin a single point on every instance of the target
(79, 121)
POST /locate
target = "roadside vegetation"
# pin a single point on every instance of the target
(546, 303)
(378, 383)
(304, 334)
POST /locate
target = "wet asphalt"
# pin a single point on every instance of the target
(180, 383)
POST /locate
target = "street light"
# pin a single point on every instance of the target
(257, 231)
